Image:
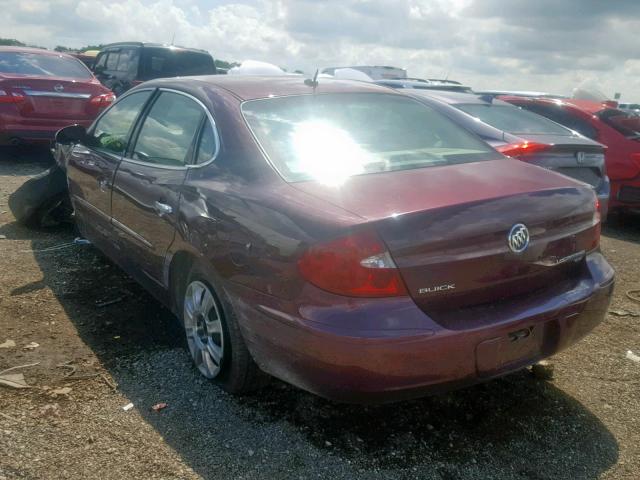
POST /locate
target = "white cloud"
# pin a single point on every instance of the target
(544, 45)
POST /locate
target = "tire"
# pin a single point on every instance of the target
(213, 336)
(42, 201)
(54, 212)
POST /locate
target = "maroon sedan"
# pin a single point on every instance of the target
(42, 91)
(341, 237)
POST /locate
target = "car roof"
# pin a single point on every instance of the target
(151, 44)
(42, 51)
(520, 93)
(586, 105)
(454, 98)
(420, 82)
(250, 87)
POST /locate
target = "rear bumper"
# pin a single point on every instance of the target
(36, 131)
(403, 353)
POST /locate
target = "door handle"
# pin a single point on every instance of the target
(103, 183)
(162, 208)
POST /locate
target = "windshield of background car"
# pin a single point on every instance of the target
(625, 123)
(513, 119)
(331, 137)
(38, 65)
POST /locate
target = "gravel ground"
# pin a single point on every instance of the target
(103, 343)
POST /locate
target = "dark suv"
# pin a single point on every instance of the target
(120, 66)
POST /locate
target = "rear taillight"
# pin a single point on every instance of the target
(102, 101)
(524, 148)
(597, 224)
(11, 97)
(357, 265)
(636, 158)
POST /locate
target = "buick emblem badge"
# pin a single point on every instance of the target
(58, 88)
(518, 238)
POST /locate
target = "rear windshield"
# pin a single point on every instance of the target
(625, 123)
(330, 137)
(38, 65)
(513, 119)
(167, 62)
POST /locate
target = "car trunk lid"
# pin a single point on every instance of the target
(574, 156)
(447, 228)
(59, 97)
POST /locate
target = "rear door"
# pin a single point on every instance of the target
(91, 167)
(147, 186)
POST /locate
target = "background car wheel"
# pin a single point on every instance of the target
(214, 339)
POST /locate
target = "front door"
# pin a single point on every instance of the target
(92, 165)
(147, 186)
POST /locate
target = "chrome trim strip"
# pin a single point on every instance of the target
(42, 93)
(132, 233)
(553, 260)
(90, 206)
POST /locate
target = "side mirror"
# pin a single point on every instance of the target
(71, 134)
(98, 69)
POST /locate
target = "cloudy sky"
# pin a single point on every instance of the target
(550, 45)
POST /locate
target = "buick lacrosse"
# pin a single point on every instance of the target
(338, 235)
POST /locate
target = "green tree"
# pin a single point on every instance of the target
(12, 42)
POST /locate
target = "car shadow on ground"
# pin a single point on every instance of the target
(15, 160)
(623, 227)
(516, 427)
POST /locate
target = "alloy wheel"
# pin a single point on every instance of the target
(203, 327)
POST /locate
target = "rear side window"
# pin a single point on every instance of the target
(167, 62)
(168, 132)
(112, 129)
(513, 119)
(331, 137)
(559, 115)
(626, 124)
(102, 60)
(39, 65)
(112, 61)
(208, 144)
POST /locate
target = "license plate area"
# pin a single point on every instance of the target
(518, 347)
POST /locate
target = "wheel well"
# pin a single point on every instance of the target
(181, 264)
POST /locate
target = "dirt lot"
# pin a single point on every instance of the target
(106, 340)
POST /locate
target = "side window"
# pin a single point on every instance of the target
(102, 60)
(128, 61)
(208, 144)
(168, 132)
(112, 61)
(112, 130)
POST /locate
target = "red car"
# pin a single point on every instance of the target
(618, 130)
(42, 91)
(342, 237)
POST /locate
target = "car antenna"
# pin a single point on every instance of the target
(312, 82)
